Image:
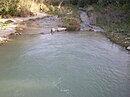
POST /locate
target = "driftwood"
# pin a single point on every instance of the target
(61, 29)
(53, 30)
(59, 6)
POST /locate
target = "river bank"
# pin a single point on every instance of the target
(72, 20)
(11, 25)
(14, 26)
(115, 21)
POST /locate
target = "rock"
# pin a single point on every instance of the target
(9, 22)
(11, 34)
(70, 13)
(3, 39)
(128, 48)
(57, 30)
(53, 29)
(18, 33)
(42, 33)
(61, 29)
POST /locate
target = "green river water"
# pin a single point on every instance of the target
(80, 64)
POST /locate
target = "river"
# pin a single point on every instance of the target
(76, 64)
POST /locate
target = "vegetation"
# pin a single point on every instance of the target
(18, 7)
(112, 15)
(71, 21)
(28, 7)
(116, 21)
(3, 24)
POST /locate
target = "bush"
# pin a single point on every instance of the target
(19, 7)
(71, 24)
(8, 7)
(45, 8)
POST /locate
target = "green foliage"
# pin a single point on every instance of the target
(45, 8)
(72, 21)
(8, 7)
(82, 3)
(74, 2)
(54, 2)
(26, 7)
(4, 24)
(114, 18)
(53, 10)
(72, 25)
(19, 7)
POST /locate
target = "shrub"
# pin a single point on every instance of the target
(19, 7)
(71, 24)
(45, 8)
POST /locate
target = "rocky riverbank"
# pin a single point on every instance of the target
(11, 25)
(114, 21)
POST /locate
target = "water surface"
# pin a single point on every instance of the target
(82, 64)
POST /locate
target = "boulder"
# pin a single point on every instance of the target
(128, 48)
(53, 30)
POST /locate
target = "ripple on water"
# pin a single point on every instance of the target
(64, 65)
